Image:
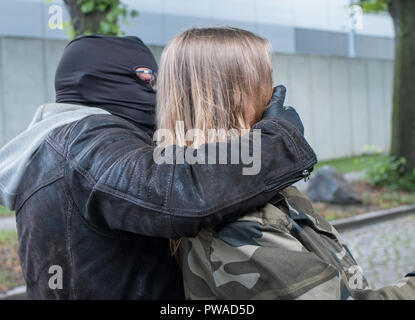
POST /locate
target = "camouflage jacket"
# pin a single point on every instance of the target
(282, 251)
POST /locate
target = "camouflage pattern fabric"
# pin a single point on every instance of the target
(282, 251)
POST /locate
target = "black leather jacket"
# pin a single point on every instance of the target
(94, 203)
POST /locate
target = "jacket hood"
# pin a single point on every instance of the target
(99, 71)
(15, 155)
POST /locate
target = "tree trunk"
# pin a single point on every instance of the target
(393, 7)
(403, 113)
(81, 22)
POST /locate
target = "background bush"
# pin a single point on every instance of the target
(389, 172)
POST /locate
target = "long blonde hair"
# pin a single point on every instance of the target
(213, 78)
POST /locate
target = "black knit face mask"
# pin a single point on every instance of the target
(100, 71)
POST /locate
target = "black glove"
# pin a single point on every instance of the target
(277, 109)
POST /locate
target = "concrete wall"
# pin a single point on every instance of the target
(344, 103)
(27, 68)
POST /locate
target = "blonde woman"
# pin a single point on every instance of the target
(220, 78)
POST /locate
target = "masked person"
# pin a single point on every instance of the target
(94, 210)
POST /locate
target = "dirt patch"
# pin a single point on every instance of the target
(374, 198)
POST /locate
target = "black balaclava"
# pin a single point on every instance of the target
(99, 71)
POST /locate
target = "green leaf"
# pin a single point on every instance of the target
(105, 27)
(374, 6)
(111, 16)
(115, 30)
(88, 6)
(101, 7)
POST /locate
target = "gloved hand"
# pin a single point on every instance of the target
(277, 109)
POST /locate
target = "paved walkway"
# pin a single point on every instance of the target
(384, 250)
(8, 223)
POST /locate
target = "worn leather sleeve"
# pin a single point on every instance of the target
(116, 184)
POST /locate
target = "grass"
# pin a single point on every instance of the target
(5, 213)
(10, 272)
(344, 165)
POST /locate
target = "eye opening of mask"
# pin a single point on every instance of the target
(147, 75)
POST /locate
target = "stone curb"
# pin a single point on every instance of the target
(372, 217)
(18, 293)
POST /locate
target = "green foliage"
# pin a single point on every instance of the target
(390, 172)
(115, 11)
(375, 6)
(5, 213)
